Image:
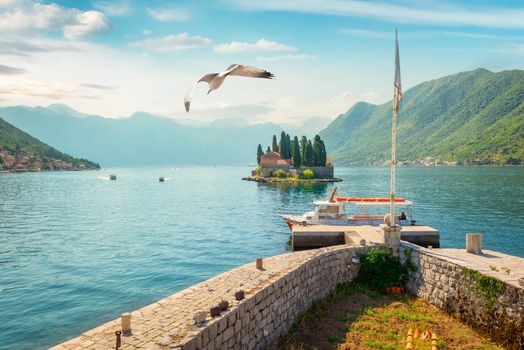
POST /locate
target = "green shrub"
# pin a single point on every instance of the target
(280, 173)
(258, 171)
(379, 269)
(308, 174)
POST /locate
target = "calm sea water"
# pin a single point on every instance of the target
(76, 250)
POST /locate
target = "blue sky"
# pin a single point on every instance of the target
(114, 58)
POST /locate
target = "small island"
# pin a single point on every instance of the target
(287, 161)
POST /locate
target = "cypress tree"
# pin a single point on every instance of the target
(268, 149)
(259, 153)
(288, 146)
(275, 145)
(317, 151)
(324, 153)
(308, 159)
(297, 159)
(303, 144)
(282, 143)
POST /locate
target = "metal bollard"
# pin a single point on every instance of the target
(118, 340)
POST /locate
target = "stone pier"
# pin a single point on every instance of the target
(276, 295)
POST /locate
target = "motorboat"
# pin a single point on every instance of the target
(352, 211)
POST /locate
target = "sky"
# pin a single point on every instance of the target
(114, 58)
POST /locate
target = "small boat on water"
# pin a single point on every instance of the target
(112, 177)
(352, 211)
(161, 179)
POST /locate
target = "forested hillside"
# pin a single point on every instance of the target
(472, 117)
(20, 151)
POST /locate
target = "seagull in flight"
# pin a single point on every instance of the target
(215, 80)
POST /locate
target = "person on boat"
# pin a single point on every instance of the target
(402, 216)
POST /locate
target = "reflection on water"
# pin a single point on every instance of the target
(76, 251)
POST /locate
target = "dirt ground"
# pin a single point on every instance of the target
(359, 319)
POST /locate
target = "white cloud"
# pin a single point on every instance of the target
(172, 13)
(513, 49)
(177, 42)
(86, 23)
(262, 45)
(113, 8)
(54, 90)
(26, 47)
(440, 13)
(375, 34)
(280, 58)
(365, 33)
(25, 15)
(8, 70)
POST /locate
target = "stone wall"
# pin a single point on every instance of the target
(276, 295)
(451, 283)
(322, 172)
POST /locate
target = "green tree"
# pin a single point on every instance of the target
(288, 147)
(308, 159)
(283, 146)
(303, 144)
(268, 149)
(324, 154)
(317, 151)
(297, 158)
(275, 145)
(259, 153)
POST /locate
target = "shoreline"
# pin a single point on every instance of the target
(20, 171)
(289, 180)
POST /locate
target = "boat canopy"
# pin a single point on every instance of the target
(328, 203)
(383, 204)
(370, 200)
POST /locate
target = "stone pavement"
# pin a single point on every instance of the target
(505, 267)
(285, 287)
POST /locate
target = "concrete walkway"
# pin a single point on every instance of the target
(505, 267)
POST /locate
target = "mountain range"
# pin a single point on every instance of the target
(474, 117)
(145, 139)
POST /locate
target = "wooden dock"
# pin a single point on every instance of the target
(317, 236)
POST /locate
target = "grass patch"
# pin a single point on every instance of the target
(335, 339)
(379, 345)
(413, 317)
(487, 287)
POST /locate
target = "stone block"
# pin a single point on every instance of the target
(222, 325)
(228, 333)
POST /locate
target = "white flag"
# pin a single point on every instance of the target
(397, 92)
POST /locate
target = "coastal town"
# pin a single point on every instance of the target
(26, 161)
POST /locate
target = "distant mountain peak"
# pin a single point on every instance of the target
(66, 110)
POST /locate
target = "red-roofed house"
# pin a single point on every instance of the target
(271, 161)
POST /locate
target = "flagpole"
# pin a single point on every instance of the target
(397, 96)
(393, 218)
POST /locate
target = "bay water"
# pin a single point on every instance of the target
(77, 250)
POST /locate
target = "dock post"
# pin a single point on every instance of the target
(474, 243)
(259, 264)
(125, 320)
(392, 237)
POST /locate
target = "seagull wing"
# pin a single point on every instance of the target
(248, 71)
(189, 94)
